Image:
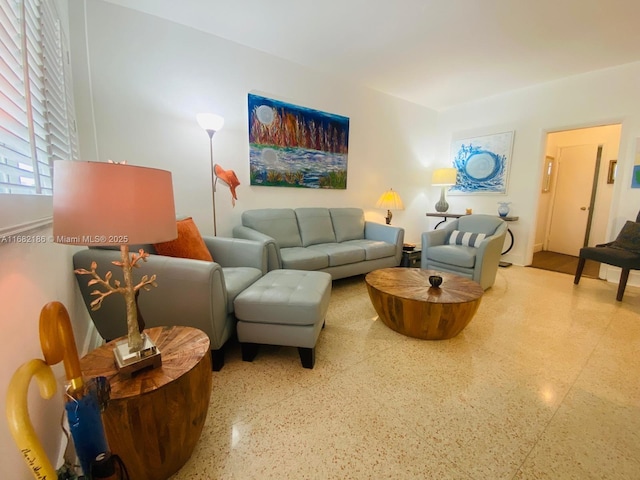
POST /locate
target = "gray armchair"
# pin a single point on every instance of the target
(192, 293)
(479, 262)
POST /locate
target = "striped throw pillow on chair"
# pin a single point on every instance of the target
(468, 239)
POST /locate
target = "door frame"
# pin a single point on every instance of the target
(602, 211)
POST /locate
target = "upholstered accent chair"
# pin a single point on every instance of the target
(469, 246)
(623, 252)
(193, 293)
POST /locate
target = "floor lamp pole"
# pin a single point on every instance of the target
(213, 182)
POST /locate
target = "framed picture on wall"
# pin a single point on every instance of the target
(548, 172)
(611, 174)
(483, 163)
(635, 177)
(295, 146)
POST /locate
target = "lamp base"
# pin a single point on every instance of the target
(442, 206)
(129, 363)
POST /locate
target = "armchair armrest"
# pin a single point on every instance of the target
(488, 256)
(274, 261)
(236, 252)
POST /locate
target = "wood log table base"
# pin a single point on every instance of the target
(408, 304)
(154, 419)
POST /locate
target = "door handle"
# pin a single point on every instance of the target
(583, 208)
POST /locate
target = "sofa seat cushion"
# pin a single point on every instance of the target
(453, 255)
(339, 253)
(374, 249)
(315, 226)
(300, 258)
(236, 280)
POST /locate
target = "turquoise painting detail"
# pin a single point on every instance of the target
(635, 179)
(293, 146)
(482, 164)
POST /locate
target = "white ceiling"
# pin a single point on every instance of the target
(436, 53)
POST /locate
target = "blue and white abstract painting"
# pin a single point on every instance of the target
(482, 164)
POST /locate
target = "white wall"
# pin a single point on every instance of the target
(150, 78)
(31, 276)
(597, 98)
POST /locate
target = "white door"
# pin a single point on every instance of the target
(574, 182)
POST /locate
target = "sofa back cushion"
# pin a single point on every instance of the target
(279, 223)
(348, 223)
(315, 226)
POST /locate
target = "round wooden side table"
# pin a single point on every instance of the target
(154, 419)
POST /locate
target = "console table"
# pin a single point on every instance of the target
(446, 215)
(154, 419)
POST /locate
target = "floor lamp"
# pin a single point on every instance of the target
(211, 123)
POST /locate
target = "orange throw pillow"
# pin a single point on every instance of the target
(189, 243)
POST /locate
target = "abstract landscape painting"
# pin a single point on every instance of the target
(293, 146)
(482, 163)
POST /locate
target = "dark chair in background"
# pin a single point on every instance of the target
(623, 252)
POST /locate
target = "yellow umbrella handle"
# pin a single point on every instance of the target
(58, 344)
(18, 415)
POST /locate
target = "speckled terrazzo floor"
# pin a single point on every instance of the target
(544, 383)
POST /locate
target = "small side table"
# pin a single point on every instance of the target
(154, 419)
(411, 258)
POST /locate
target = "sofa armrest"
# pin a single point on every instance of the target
(385, 233)
(189, 293)
(236, 252)
(274, 261)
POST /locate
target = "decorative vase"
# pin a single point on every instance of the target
(503, 209)
(435, 280)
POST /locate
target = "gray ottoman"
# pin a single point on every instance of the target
(285, 307)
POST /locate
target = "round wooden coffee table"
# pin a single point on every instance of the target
(408, 304)
(154, 419)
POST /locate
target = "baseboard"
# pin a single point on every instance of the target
(613, 275)
(537, 247)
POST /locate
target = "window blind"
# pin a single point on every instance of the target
(37, 121)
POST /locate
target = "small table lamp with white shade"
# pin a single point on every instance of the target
(443, 177)
(390, 200)
(109, 204)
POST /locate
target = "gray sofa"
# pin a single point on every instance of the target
(192, 293)
(338, 241)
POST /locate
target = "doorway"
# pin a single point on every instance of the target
(574, 204)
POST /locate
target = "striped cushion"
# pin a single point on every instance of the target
(466, 238)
